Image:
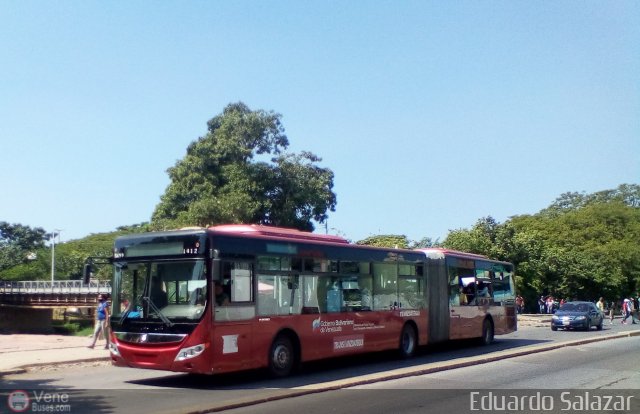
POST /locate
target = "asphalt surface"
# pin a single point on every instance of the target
(19, 353)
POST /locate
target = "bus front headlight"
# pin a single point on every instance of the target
(190, 352)
(113, 348)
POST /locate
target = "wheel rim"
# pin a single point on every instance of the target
(281, 357)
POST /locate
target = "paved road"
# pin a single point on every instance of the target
(603, 369)
(129, 390)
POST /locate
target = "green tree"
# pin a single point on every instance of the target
(19, 244)
(224, 177)
(424, 243)
(481, 239)
(582, 246)
(392, 241)
(70, 257)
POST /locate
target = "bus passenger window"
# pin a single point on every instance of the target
(365, 282)
(469, 294)
(309, 288)
(410, 293)
(352, 299)
(267, 304)
(334, 298)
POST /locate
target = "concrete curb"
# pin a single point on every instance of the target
(23, 368)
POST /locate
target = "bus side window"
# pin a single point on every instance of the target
(267, 304)
(351, 294)
(334, 297)
(310, 302)
(366, 283)
(385, 286)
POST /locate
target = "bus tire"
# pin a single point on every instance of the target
(487, 332)
(282, 357)
(408, 341)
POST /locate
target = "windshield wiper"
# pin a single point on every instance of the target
(124, 315)
(157, 311)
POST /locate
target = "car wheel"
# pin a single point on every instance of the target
(588, 328)
(600, 324)
(554, 328)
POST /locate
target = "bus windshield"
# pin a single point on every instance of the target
(159, 290)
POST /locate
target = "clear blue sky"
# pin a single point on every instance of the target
(432, 114)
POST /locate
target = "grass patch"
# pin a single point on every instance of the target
(86, 331)
(75, 328)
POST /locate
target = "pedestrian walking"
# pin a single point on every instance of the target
(102, 322)
(541, 303)
(612, 308)
(626, 310)
(550, 304)
(632, 310)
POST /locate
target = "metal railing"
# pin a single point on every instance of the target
(60, 286)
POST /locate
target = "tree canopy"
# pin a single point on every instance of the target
(18, 243)
(224, 178)
(582, 246)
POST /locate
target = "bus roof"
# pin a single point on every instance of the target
(439, 253)
(276, 232)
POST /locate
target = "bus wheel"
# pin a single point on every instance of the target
(408, 341)
(487, 332)
(281, 357)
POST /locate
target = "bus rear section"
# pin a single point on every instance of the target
(471, 296)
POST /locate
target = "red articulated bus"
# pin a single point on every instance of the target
(237, 297)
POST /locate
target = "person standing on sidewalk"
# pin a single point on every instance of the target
(626, 310)
(612, 309)
(600, 305)
(102, 322)
(632, 310)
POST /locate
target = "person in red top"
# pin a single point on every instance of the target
(519, 304)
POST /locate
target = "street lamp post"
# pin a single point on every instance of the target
(56, 232)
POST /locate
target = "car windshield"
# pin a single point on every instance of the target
(575, 307)
(166, 291)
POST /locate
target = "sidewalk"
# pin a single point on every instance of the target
(21, 350)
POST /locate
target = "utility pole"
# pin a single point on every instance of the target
(56, 232)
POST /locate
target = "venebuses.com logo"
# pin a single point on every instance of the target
(21, 401)
(18, 401)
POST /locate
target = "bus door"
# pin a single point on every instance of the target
(462, 298)
(233, 312)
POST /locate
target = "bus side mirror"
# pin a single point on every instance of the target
(86, 273)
